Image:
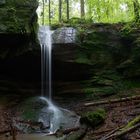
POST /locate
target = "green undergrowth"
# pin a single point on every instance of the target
(130, 84)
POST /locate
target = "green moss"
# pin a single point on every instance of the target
(94, 118)
(17, 15)
(83, 58)
(98, 92)
(132, 123)
(31, 108)
(103, 84)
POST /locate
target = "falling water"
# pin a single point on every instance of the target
(51, 115)
(46, 49)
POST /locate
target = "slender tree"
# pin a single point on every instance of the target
(49, 12)
(82, 2)
(90, 9)
(43, 11)
(60, 10)
(68, 16)
(136, 10)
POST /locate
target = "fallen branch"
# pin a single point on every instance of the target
(102, 132)
(130, 127)
(112, 101)
(121, 133)
(110, 133)
(67, 131)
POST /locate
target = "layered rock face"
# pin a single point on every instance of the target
(18, 26)
(18, 37)
(103, 62)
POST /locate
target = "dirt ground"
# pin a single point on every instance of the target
(118, 114)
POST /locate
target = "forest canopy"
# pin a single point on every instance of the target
(96, 11)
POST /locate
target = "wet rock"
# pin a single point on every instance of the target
(77, 135)
(40, 115)
(64, 35)
(32, 107)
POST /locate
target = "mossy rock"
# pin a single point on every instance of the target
(94, 118)
(32, 107)
(101, 48)
(103, 84)
(18, 14)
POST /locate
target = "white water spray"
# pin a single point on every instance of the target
(55, 114)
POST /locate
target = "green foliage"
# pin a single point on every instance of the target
(94, 118)
(129, 28)
(103, 11)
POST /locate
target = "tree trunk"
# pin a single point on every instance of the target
(89, 10)
(43, 11)
(136, 10)
(68, 10)
(82, 2)
(60, 10)
(49, 12)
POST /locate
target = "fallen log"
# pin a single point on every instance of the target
(113, 101)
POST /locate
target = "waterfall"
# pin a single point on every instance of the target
(46, 58)
(53, 114)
